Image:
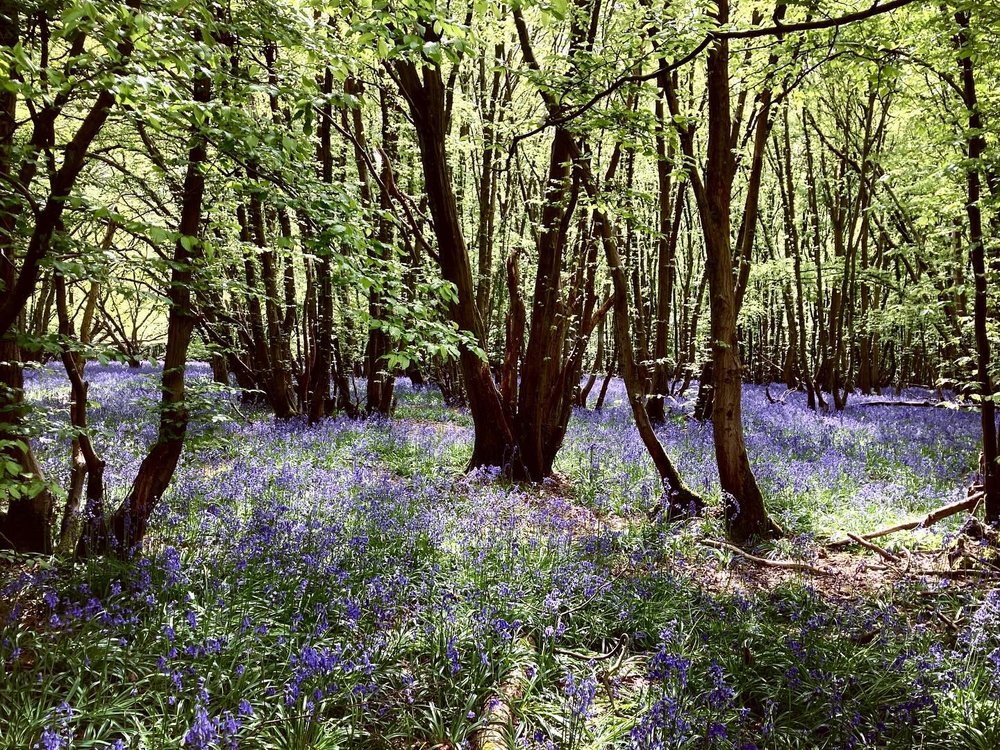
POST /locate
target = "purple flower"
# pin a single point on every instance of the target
(452, 653)
(202, 733)
(50, 740)
(717, 731)
(581, 694)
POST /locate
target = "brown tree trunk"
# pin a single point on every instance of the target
(666, 269)
(745, 514)
(793, 249)
(495, 108)
(608, 374)
(540, 410)
(495, 443)
(680, 499)
(381, 382)
(26, 527)
(126, 529)
(277, 342)
(86, 467)
(321, 322)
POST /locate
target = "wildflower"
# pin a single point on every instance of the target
(721, 695)
(452, 653)
(50, 740)
(581, 694)
(202, 733)
(717, 731)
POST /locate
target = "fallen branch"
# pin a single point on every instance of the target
(880, 551)
(925, 404)
(783, 564)
(596, 656)
(938, 514)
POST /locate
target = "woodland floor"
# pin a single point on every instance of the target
(346, 586)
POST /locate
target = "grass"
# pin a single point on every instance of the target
(344, 586)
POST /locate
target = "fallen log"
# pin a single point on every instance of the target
(783, 564)
(498, 713)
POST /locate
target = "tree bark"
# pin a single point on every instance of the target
(745, 514)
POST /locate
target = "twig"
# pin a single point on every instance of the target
(783, 564)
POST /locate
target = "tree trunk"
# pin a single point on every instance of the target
(494, 443)
(126, 529)
(745, 514)
(86, 467)
(381, 381)
(976, 146)
(666, 269)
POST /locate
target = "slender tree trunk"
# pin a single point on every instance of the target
(495, 443)
(666, 270)
(87, 467)
(976, 146)
(608, 374)
(277, 343)
(322, 323)
(381, 381)
(680, 499)
(745, 514)
(127, 526)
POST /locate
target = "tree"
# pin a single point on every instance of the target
(25, 526)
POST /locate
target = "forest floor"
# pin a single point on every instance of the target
(345, 586)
